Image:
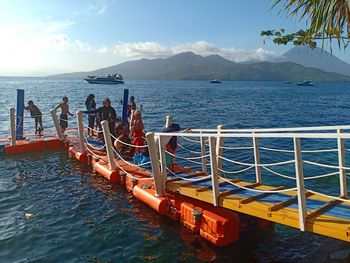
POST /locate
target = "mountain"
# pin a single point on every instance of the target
(315, 58)
(189, 66)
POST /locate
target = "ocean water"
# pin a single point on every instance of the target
(80, 217)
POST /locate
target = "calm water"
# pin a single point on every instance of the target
(80, 217)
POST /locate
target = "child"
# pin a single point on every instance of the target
(64, 113)
(36, 114)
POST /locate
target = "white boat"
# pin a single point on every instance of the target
(109, 79)
(215, 81)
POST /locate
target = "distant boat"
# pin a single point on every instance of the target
(109, 79)
(215, 81)
(287, 82)
(306, 83)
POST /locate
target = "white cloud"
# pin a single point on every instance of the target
(156, 50)
(103, 49)
(83, 46)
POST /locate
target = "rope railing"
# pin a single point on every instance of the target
(91, 129)
(235, 172)
(256, 190)
(253, 164)
(187, 139)
(279, 174)
(103, 157)
(128, 144)
(129, 163)
(188, 179)
(186, 149)
(236, 148)
(326, 165)
(320, 176)
(185, 159)
(92, 146)
(329, 196)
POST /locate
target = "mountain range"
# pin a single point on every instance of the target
(294, 65)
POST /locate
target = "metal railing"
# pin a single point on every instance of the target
(214, 138)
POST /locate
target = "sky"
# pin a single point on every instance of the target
(57, 36)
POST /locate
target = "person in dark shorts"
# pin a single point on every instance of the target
(91, 107)
(64, 113)
(36, 114)
(131, 106)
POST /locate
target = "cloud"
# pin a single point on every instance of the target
(82, 46)
(103, 49)
(156, 50)
(95, 7)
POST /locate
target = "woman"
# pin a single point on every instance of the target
(91, 107)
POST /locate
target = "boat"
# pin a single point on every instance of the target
(215, 81)
(109, 79)
(305, 83)
(287, 82)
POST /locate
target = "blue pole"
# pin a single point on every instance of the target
(125, 107)
(20, 114)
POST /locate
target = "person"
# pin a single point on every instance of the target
(131, 106)
(122, 140)
(91, 106)
(136, 130)
(37, 115)
(108, 113)
(64, 113)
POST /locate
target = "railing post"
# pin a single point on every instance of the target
(214, 170)
(109, 145)
(57, 125)
(12, 126)
(158, 179)
(219, 148)
(203, 153)
(169, 121)
(341, 161)
(300, 184)
(81, 131)
(257, 159)
(162, 144)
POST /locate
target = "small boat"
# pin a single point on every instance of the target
(287, 82)
(109, 79)
(215, 81)
(306, 83)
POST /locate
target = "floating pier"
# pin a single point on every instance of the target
(210, 197)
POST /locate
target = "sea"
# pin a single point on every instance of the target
(54, 209)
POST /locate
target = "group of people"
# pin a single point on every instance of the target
(130, 133)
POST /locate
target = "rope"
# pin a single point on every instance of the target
(189, 179)
(330, 196)
(185, 159)
(188, 149)
(279, 174)
(94, 154)
(93, 147)
(190, 140)
(320, 176)
(260, 165)
(125, 161)
(235, 172)
(91, 128)
(320, 151)
(127, 144)
(326, 165)
(256, 190)
(235, 148)
(276, 150)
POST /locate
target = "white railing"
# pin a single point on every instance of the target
(216, 138)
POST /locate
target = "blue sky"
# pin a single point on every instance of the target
(47, 37)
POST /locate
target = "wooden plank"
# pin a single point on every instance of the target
(291, 200)
(323, 208)
(252, 198)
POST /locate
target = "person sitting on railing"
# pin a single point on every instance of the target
(136, 130)
(37, 115)
(91, 106)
